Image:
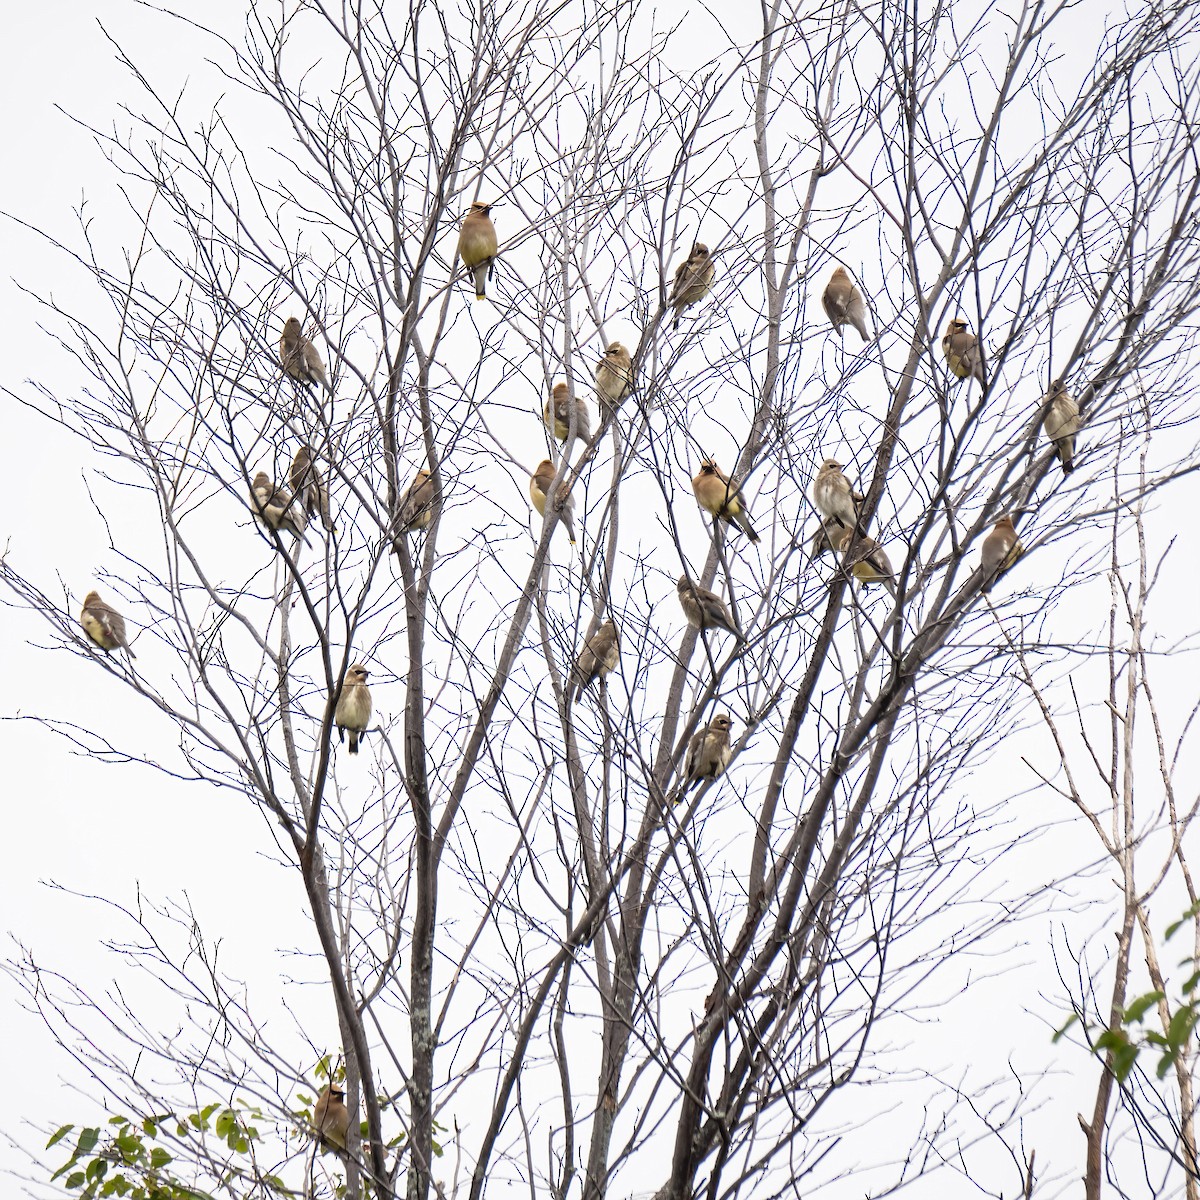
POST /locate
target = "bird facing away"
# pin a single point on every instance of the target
(308, 487)
(705, 609)
(597, 658)
(299, 357)
(477, 245)
(353, 710)
(836, 500)
(614, 376)
(419, 504)
(708, 752)
(539, 486)
(1001, 548)
(869, 563)
(717, 496)
(693, 279)
(1061, 423)
(844, 304)
(273, 507)
(104, 625)
(962, 351)
(557, 412)
(331, 1120)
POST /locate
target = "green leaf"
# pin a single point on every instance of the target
(1137, 1010)
(1123, 1060)
(159, 1158)
(1181, 1026)
(59, 1134)
(1059, 1032)
(87, 1141)
(96, 1170)
(1190, 914)
(76, 1181)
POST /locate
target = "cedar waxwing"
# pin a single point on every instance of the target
(708, 752)
(844, 305)
(1001, 548)
(308, 487)
(693, 278)
(962, 351)
(353, 710)
(597, 658)
(716, 495)
(870, 564)
(274, 508)
(558, 418)
(104, 625)
(299, 357)
(836, 500)
(331, 1120)
(419, 504)
(477, 245)
(1061, 423)
(705, 609)
(614, 376)
(539, 481)
(828, 532)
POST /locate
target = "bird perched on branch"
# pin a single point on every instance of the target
(308, 487)
(104, 625)
(824, 539)
(844, 304)
(717, 496)
(477, 245)
(299, 357)
(693, 279)
(557, 412)
(708, 752)
(539, 486)
(331, 1120)
(1001, 548)
(614, 376)
(836, 500)
(1061, 423)
(597, 658)
(274, 507)
(962, 350)
(419, 504)
(869, 563)
(705, 609)
(353, 711)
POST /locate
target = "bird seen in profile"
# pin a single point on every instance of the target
(614, 376)
(1001, 548)
(539, 486)
(708, 752)
(869, 563)
(419, 504)
(963, 352)
(104, 625)
(844, 304)
(718, 497)
(557, 413)
(836, 500)
(299, 357)
(477, 245)
(597, 658)
(353, 712)
(308, 487)
(1061, 423)
(274, 508)
(693, 279)
(705, 609)
(331, 1120)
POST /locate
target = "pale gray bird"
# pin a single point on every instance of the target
(693, 279)
(844, 304)
(274, 507)
(614, 376)
(420, 503)
(353, 712)
(869, 563)
(597, 658)
(331, 1120)
(1001, 548)
(962, 350)
(539, 484)
(104, 625)
(557, 413)
(708, 752)
(705, 609)
(1061, 423)
(717, 496)
(308, 487)
(477, 245)
(299, 357)
(836, 500)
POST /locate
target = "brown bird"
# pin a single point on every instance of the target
(597, 658)
(693, 279)
(828, 532)
(353, 710)
(104, 625)
(844, 304)
(477, 245)
(308, 487)
(962, 351)
(274, 508)
(557, 412)
(299, 357)
(331, 1120)
(836, 500)
(716, 495)
(705, 609)
(869, 563)
(539, 484)
(1001, 548)
(420, 503)
(708, 752)
(614, 376)
(1061, 423)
